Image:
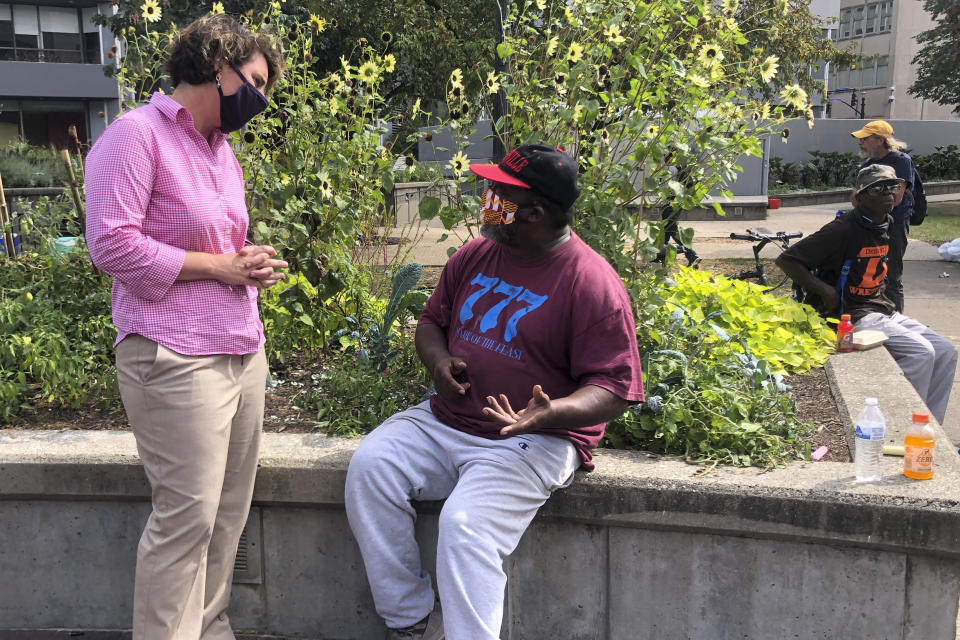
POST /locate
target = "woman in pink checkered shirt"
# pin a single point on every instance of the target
(166, 217)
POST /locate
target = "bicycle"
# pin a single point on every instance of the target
(762, 238)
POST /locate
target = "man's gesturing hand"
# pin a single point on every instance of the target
(445, 378)
(516, 422)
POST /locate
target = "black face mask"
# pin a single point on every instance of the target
(236, 110)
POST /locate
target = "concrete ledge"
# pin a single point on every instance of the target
(646, 546)
(842, 195)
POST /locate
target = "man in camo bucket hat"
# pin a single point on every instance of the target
(858, 243)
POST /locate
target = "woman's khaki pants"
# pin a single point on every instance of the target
(197, 422)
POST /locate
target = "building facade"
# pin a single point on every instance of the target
(884, 33)
(52, 56)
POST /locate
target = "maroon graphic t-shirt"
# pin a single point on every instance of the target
(562, 321)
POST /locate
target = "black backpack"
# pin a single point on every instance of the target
(837, 280)
(919, 201)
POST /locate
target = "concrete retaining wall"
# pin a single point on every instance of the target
(645, 547)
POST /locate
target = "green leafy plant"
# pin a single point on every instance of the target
(374, 338)
(56, 335)
(351, 398)
(22, 165)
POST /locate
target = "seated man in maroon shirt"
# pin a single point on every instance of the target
(531, 342)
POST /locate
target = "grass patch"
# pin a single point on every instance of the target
(942, 224)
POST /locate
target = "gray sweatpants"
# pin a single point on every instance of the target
(492, 488)
(928, 360)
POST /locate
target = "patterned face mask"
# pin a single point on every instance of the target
(496, 210)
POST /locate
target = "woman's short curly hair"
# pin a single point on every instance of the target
(215, 39)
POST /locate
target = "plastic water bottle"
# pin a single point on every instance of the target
(918, 448)
(871, 431)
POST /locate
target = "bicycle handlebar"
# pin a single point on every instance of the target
(753, 236)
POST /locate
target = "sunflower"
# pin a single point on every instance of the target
(345, 65)
(386, 37)
(765, 111)
(150, 11)
(552, 46)
(711, 54)
(217, 7)
(416, 107)
(730, 6)
(575, 53)
(605, 136)
(560, 82)
(727, 110)
(456, 91)
(651, 131)
(698, 80)
(541, 5)
(492, 82)
(614, 34)
(368, 72)
(578, 112)
(785, 135)
(568, 14)
(465, 109)
(456, 78)
(768, 68)
(318, 23)
(326, 189)
(249, 137)
(795, 96)
(409, 161)
(389, 63)
(459, 163)
(284, 179)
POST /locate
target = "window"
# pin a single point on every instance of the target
(91, 37)
(49, 34)
(886, 16)
(882, 64)
(858, 14)
(26, 33)
(871, 25)
(60, 28)
(843, 78)
(844, 26)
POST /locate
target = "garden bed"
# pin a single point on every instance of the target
(285, 410)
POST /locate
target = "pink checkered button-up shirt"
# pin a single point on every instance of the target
(155, 190)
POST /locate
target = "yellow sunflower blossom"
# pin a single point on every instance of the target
(541, 5)
(459, 163)
(575, 53)
(768, 68)
(317, 23)
(568, 14)
(765, 111)
(795, 96)
(368, 72)
(326, 189)
(456, 78)
(284, 179)
(217, 7)
(711, 54)
(560, 83)
(389, 63)
(698, 80)
(416, 107)
(651, 131)
(345, 65)
(614, 34)
(150, 11)
(492, 82)
(730, 6)
(552, 44)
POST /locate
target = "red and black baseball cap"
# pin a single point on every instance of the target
(546, 170)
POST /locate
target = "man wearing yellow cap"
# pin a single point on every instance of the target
(878, 146)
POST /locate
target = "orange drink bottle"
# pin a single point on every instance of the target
(918, 448)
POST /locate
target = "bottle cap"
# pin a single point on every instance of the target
(870, 401)
(921, 416)
(844, 317)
